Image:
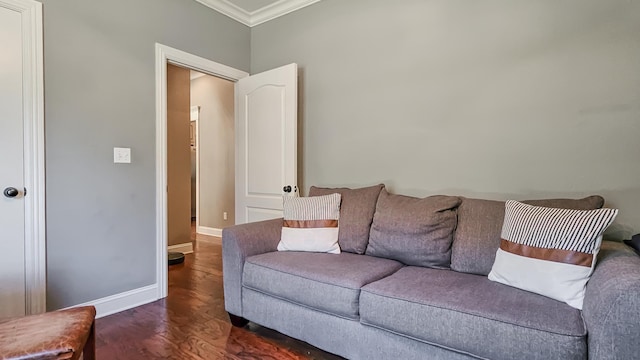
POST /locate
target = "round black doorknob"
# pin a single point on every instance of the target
(287, 189)
(11, 192)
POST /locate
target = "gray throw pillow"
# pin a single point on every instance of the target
(356, 214)
(477, 236)
(414, 231)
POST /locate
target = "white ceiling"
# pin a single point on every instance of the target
(255, 12)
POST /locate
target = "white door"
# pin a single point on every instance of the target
(266, 142)
(12, 275)
(19, 114)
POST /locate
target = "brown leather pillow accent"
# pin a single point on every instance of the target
(356, 214)
(414, 231)
(477, 236)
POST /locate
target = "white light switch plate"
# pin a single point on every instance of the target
(121, 155)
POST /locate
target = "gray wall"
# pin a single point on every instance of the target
(217, 149)
(493, 98)
(100, 93)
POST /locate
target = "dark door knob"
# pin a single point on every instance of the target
(11, 192)
(287, 189)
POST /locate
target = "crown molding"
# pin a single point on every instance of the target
(278, 9)
(269, 12)
(228, 9)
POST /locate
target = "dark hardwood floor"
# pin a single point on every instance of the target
(191, 322)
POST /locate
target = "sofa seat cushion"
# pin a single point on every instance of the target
(470, 314)
(326, 282)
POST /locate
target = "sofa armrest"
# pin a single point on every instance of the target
(611, 307)
(238, 243)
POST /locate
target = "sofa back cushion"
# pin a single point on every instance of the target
(414, 231)
(356, 214)
(477, 237)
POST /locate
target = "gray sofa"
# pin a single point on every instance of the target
(362, 305)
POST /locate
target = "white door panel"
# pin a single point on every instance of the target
(265, 175)
(12, 266)
(266, 140)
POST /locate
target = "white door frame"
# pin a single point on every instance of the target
(167, 55)
(33, 117)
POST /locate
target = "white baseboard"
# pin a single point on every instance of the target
(123, 301)
(209, 231)
(186, 248)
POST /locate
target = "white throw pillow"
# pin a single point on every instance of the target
(550, 251)
(311, 224)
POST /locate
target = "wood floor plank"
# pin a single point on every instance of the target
(191, 322)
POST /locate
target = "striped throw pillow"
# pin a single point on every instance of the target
(550, 251)
(311, 224)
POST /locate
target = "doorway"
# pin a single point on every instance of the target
(266, 135)
(166, 55)
(200, 156)
(213, 153)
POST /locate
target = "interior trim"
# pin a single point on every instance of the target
(262, 15)
(185, 248)
(123, 301)
(204, 230)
